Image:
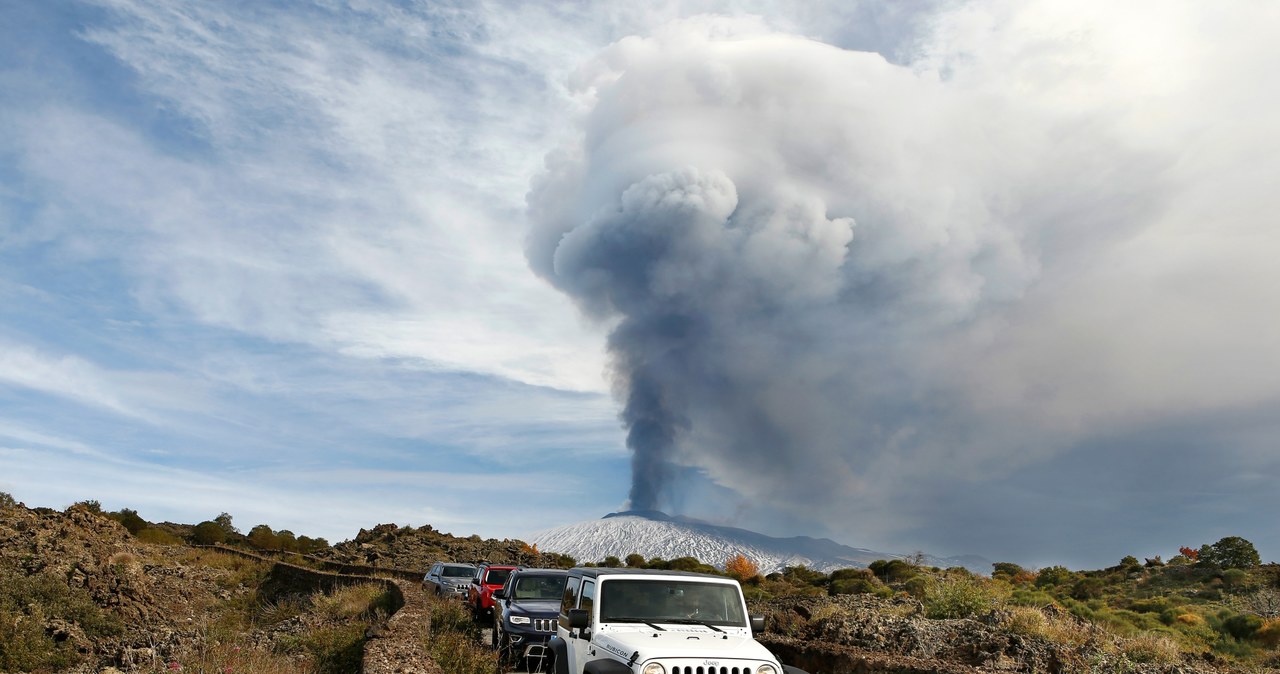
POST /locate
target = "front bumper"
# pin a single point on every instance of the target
(453, 590)
(530, 641)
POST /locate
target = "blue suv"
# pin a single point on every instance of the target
(525, 614)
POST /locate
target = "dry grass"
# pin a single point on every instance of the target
(1269, 634)
(231, 658)
(1152, 648)
(123, 559)
(827, 611)
(1062, 629)
(453, 640)
(350, 602)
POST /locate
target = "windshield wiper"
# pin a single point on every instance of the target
(635, 620)
(691, 621)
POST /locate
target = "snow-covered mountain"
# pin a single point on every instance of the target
(655, 534)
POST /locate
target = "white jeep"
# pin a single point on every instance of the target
(641, 621)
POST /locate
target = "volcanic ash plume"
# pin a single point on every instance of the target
(832, 278)
(768, 233)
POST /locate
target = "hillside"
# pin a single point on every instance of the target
(80, 594)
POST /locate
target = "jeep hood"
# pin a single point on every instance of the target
(682, 641)
(539, 607)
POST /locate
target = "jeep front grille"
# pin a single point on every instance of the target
(710, 670)
(544, 624)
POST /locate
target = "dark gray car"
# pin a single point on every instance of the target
(447, 579)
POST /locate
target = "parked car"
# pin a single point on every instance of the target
(446, 579)
(642, 621)
(524, 614)
(487, 578)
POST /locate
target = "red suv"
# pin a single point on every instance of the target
(489, 577)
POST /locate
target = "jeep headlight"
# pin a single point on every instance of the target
(766, 669)
(519, 620)
(654, 668)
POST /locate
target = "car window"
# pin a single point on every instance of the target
(717, 603)
(538, 587)
(588, 595)
(569, 599)
(458, 571)
(497, 576)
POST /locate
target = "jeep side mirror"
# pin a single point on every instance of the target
(757, 624)
(579, 618)
(499, 594)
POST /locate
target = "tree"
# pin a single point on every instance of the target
(208, 533)
(1007, 570)
(611, 562)
(263, 538)
(635, 560)
(224, 521)
(130, 520)
(286, 541)
(1055, 575)
(741, 568)
(1231, 552)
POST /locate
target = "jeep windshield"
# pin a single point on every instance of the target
(671, 601)
(458, 571)
(497, 576)
(538, 587)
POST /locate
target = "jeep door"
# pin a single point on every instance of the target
(579, 593)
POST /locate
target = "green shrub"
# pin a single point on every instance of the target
(26, 603)
(892, 570)
(961, 598)
(130, 520)
(158, 537)
(334, 650)
(1242, 626)
(1154, 605)
(1025, 597)
(1088, 588)
(853, 586)
(1235, 578)
(208, 533)
(90, 505)
(1055, 575)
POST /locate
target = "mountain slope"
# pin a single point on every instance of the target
(654, 534)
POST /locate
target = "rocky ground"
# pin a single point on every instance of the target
(161, 597)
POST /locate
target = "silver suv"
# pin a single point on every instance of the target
(446, 579)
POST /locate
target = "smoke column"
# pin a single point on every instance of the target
(829, 276)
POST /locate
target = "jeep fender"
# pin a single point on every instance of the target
(605, 667)
(559, 655)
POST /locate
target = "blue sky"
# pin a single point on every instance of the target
(988, 277)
